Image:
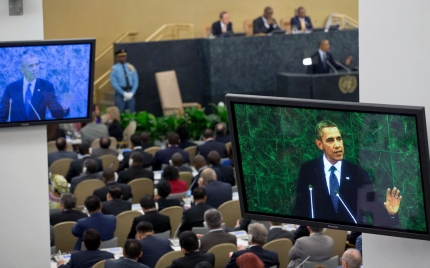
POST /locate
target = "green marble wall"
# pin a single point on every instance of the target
(275, 141)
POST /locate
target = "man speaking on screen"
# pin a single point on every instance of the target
(331, 188)
(28, 98)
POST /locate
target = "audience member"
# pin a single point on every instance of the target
(317, 245)
(301, 231)
(190, 248)
(163, 156)
(194, 217)
(203, 264)
(322, 59)
(115, 204)
(153, 248)
(249, 260)
(301, 22)
(218, 192)
(61, 153)
(359, 244)
(163, 190)
(277, 232)
(52, 235)
(104, 224)
(211, 145)
(89, 171)
(351, 258)
(75, 168)
(135, 170)
(257, 238)
(59, 186)
(67, 213)
(216, 236)
(223, 25)
(184, 137)
(241, 225)
(109, 180)
(97, 112)
(227, 172)
(146, 139)
(178, 163)
(200, 164)
(113, 119)
(228, 161)
(104, 148)
(171, 174)
(266, 23)
(54, 132)
(93, 131)
(136, 146)
(132, 252)
(352, 237)
(160, 222)
(221, 133)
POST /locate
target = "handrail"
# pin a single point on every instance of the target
(346, 20)
(103, 76)
(176, 27)
(119, 39)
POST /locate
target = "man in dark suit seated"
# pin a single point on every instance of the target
(90, 256)
(163, 156)
(114, 204)
(218, 192)
(163, 190)
(277, 232)
(266, 23)
(75, 168)
(194, 217)
(67, 213)
(183, 137)
(146, 139)
(104, 224)
(135, 170)
(257, 235)
(104, 148)
(216, 236)
(301, 22)
(323, 61)
(223, 25)
(160, 222)
(132, 252)
(190, 248)
(221, 133)
(178, 163)
(153, 248)
(109, 180)
(136, 146)
(61, 153)
(227, 172)
(200, 164)
(211, 145)
(89, 171)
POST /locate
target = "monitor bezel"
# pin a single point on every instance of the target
(418, 112)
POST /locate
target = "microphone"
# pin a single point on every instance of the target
(331, 66)
(10, 108)
(29, 102)
(343, 66)
(350, 214)
(312, 202)
(303, 262)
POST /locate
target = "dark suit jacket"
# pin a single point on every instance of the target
(192, 259)
(115, 206)
(153, 249)
(104, 224)
(83, 177)
(259, 26)
(123, 263)
(215, 238)
(218, 192)
(223, 139)
(97, 152)
(163, 156)
(44, 97)
(295, 21)
(227, 174)
(115, 130)
(134, 172)
(126, 190)
(54, 156)
(268, 257)
(87, 258)
(277, 233)
(165, 203)
(147, 159)
(356, 191)
(194, 183)
(185, 144)
(75, 168)
(160, 222)
(216, 28)
(66, 215)
(193, 217)
(317, 66)
(212, 145)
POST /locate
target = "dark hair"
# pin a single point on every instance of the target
(163, 188)
(323, 124)
(316, 229)
(177, 159)
(298, 9)
(68, 200)
(214, 158)
(132, 249)
(91, 239)
(249, 260)
(137, 157)
(145, 137)
(182, 132)
(222, 14)
(115, 192)
(84, 148)
(267, 9)
(147, 202)
(91, 165)
(208, 133)
(199, 193)
(144, 227)
(321, 42)
(173, 138)
(135, 140)
(61, 144)
(189, 241)
(108, 174)
(92, 203)
(203, 264)
(170, 173)
(105, 142)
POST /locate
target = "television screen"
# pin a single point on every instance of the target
(44, 82)
(352, 166)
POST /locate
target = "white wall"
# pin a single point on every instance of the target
(24, 224)
(394, 69)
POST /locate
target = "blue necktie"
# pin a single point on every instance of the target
(334, 188)
(27, 101)
(324, 61)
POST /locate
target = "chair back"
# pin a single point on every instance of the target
(152, 150)
(191, 153)
(53, 148)
(60, 166)
(175, 215)
(64, 239)
(248, 27)
(112, 243)
(167, 259)
(330, 263)
(285, 24)
(186, 176)
(140, 188)
(221, 253)
(177, 196)
(230, 212)
(113, 143)
(129, 130)
(85, 189)
(339, 239)
(207, 29)
(100, 264)
(165, 235)
(281, 246)
(124, 221)
(200, 230)
(170, 94)
(110, 161)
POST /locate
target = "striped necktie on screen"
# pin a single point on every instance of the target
(334, 188)
(28, 96)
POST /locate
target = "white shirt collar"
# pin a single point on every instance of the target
(25, 85)
(215, 230)
(265, 22)
(202, 168)
(275, 227)
(222, 25)
(137, 147)
(327, 166)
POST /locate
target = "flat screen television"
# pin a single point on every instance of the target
(353, 166)
(43, 82)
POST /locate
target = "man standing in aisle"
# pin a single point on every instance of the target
(125, 81)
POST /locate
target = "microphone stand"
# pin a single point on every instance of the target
(331, 66)
(343, 66)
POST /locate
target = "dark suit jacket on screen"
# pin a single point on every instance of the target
(218, 193)
(212, 145)
(215, 238)
(66, 215)
(97, 152)
(165, 203)
(192, 259)
(295, 21)
(134, 172)
(87, 258)
(115, 206)
(163, 156)
(54, 156)
(126, 190)
(193, 217)
(147, 159)
(123, 263)
(268, 257)
(153, 249)
(160, 222)
(75, 168)
(276, 233)
(216, 28)
(83, 177)
(259, 27)
(319, 245)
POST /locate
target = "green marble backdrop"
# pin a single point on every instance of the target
(275, 141)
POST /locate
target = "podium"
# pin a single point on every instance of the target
(338, 87)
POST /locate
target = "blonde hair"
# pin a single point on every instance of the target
(114, 113)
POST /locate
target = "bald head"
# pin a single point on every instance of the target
(351, 259)
(177, 160)
(208, 175)
(199, 162)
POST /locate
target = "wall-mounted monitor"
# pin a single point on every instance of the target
(43, 82)
(354, 166)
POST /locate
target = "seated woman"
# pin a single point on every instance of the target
(171, 174)
(113, 118)
(96, 111)
(59, 186)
